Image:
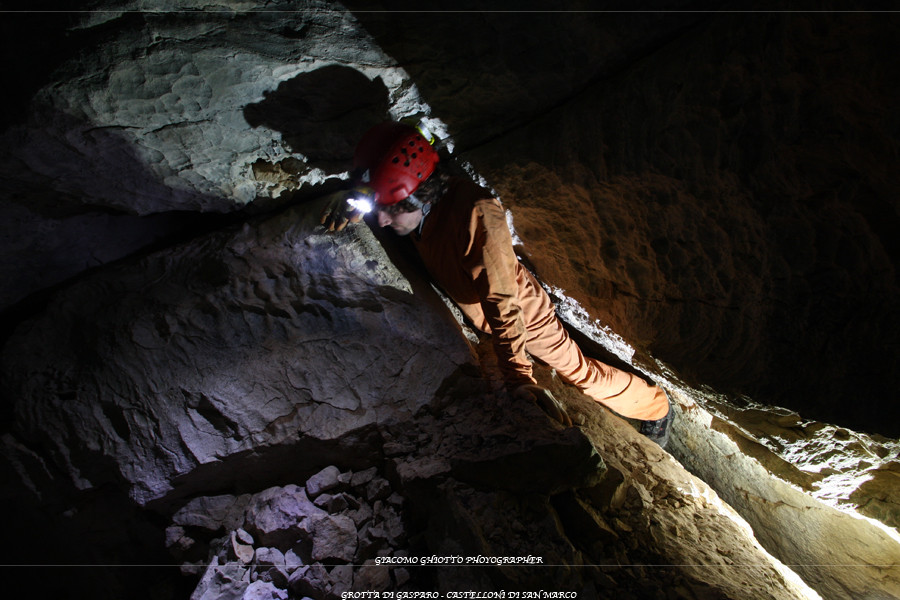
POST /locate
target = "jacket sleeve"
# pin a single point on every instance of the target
(498, 291)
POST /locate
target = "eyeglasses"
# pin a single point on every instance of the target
(404, 206)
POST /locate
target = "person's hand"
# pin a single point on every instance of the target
(545, 400)
(339, 212)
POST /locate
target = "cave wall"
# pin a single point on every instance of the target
(717, 189)
(720, 189)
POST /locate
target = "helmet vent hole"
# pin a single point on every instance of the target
(406, 164)
(396, 160)
(414, 155)
(419, 175)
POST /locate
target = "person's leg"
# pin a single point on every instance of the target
(548, 341)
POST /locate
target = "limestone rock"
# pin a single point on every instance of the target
(377, 489)
(222, 582)
(341, 580)
(264, 590)
(325, 480)
(372, 577)
(276, 516)
(240, 550)
(301, 312)
(213, 512)
(291, 561)
(312, 581)
(717, 188)
(361, 478)
(332, 503)
(271, 567)
(334, 537)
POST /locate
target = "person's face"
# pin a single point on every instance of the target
(403, 223)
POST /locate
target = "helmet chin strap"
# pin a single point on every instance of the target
(413, 201)
(425, 207)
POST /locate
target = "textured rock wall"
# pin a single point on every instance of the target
(176, 111)
(717, 188)
(235, 343)
(728, 216)
(250, 359)
(736, 218)
(476, 483)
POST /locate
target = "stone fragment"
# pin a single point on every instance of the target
(332, 503)
(353, 502)
(361, 514)
(378, 489)
(323, 481)
(372, 577)
(341, 580)
(278, 576)
(292, 561)
(264, 590)
(361, 478)
(173, 534)
(243, 537)
(334, 537)
(270, 566)
(269, 557)
(372, 542)
(276, 516)
(221, 582)
(394, 529)
(211, 512)
(177, 541)
(239, 550)
(310, 581)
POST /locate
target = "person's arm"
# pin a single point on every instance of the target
(498, 291)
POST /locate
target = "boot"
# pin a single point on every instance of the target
(658, 431)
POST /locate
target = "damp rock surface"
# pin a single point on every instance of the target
(194, 375)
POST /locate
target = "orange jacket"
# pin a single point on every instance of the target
(466, 246)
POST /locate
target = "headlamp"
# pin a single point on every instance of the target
(363, 205)
(362, 199)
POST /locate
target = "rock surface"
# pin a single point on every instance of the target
(205, 380)
(607, 532)
(224, 351)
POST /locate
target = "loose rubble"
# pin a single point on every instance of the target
(318, 540)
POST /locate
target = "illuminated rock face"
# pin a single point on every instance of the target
(257, 401)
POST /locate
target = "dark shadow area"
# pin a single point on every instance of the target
(323, 113)
(827, 343)
(485, 72)
(52, 234)
(36, 37)
(81, 243)
(94, 545)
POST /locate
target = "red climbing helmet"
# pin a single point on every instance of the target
(398, 158)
